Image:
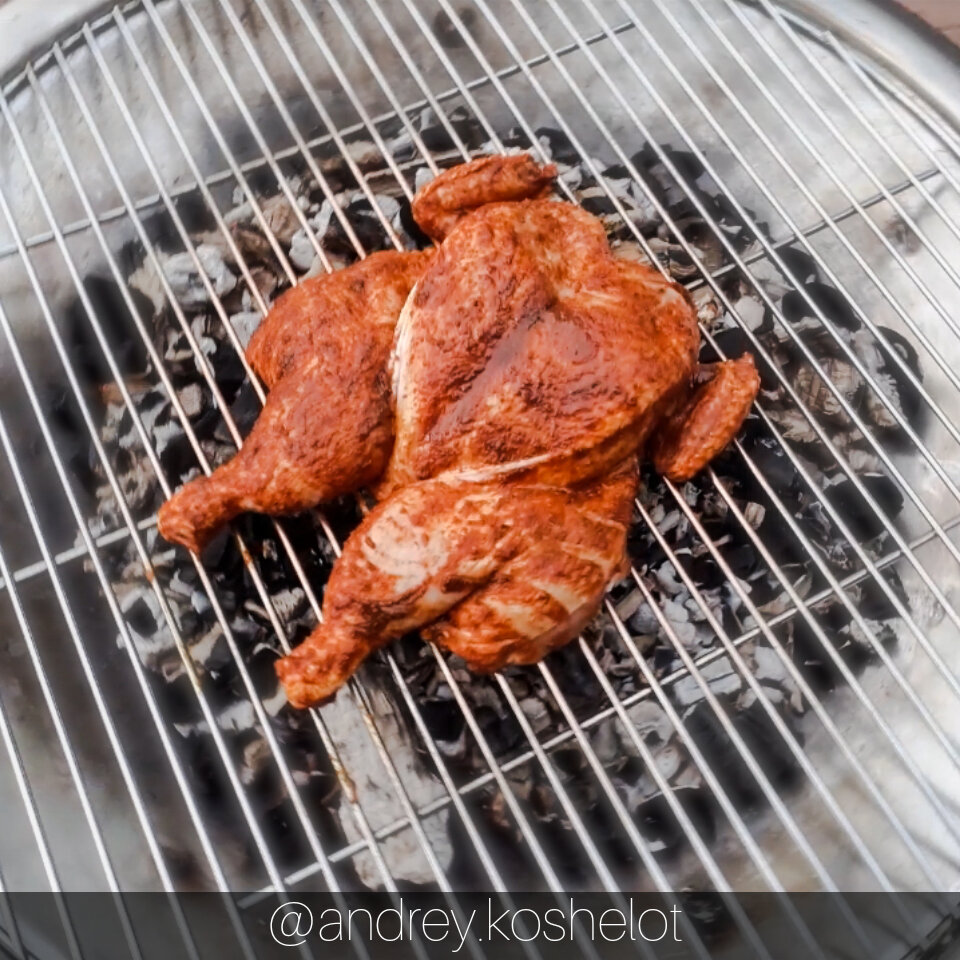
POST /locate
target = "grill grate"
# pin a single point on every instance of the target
(832, 699)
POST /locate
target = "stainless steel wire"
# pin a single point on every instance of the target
(548, 52)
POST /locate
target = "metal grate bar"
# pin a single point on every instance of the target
(769, 791)
(36, 828)
(570, 810)
(947, 674)
(489, 129)
(682, 506)
(356, 689)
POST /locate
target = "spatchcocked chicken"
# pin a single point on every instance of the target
(496, 394)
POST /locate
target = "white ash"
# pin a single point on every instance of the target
(184, 277)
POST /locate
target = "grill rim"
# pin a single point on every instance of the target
(151, 5)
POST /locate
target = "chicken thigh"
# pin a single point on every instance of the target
(327, 426)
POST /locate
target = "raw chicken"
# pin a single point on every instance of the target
(530, 369)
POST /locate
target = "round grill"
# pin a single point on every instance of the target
(769, 699)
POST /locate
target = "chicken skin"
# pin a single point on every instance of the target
(327, 426)
(496, 393)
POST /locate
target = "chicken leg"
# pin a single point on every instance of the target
(516, 570)
(326, 428)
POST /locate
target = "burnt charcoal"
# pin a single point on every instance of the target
(194, 212)
(775, 467)
(281, 829)
(758, 734)
(561, 149)
(742, 559)
(814, 662)
(856, 512)
(189, 623)
(73, 442)
(687, 165)
(141, 619)
(730, 622)
(599, 206)
(178, 458)
(162, 232)
(219, 552)
(228, 370)
(443, 718)
(176, 696)
(449, 32)
(503, 733)
(834, 306)
(111, 313)
(515, 138)
(617, 171)
(437, 139)
(799, 263)
(908, 397)
(246, 408)
(875, 604)
(410, 225)
(704, 571)
(659, 824)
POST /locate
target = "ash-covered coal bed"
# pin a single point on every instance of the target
(251, 626)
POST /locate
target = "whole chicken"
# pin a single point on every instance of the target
(529, 370)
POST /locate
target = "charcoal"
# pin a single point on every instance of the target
(599, 205)
(449, 32)
(410, 225)
(178, 458)
(193, 211)
(560, 148)
(834, 306)
(443, 718)
(856, 512)
(875, 603)
(245, 409)
(799, 263)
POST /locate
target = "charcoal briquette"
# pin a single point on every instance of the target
(856, 512)
(443, 718)
(834, 306)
